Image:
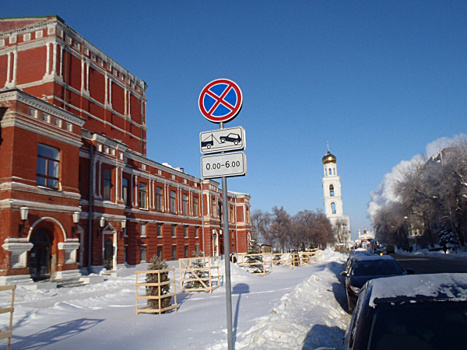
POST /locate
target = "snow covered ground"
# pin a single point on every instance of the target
(300, 308)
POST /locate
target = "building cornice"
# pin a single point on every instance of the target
(16, 203)
(18, 186)
(41, 105)
(60, 31)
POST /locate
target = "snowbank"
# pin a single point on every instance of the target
(287, 309)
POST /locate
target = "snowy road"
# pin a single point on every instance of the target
(300, 308)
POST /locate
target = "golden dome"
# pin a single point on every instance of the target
(329, 158)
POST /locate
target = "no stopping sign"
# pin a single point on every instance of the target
(220, 100)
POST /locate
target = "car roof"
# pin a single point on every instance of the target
(360, 251)
(418, 288)
(373, 257)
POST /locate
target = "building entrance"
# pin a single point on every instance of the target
(108, 253)
(40, 255)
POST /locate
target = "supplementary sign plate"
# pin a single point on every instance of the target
(220, 165)
(222, 140)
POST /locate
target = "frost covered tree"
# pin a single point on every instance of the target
(448, 240)
(431, 193)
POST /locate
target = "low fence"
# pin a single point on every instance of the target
(199, 274)
(258, 264)
(159, 298)
(4, 310)
(310, 257)
(292, 260)
(285, 259)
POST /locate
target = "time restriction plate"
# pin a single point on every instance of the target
(223, 165)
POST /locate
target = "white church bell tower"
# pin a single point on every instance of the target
(333, 204)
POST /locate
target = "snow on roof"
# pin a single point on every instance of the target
(361, 250)
(443, 286)
(373, 257)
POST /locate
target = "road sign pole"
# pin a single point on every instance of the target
(228, 284)
(219, 102)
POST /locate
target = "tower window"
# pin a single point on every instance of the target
(333, 207)
(331, 190)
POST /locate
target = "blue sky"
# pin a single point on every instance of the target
(379, 80)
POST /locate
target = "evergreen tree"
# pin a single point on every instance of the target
(255, 262)
(157, 264)
(448, 240)
(201, 274)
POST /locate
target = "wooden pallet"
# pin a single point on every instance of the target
(9, 333)
(189, 273)
(139, 296)
(266, 262)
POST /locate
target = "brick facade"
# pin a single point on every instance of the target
(73, 145)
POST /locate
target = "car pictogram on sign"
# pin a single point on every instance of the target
(222, 140)
(235, 138)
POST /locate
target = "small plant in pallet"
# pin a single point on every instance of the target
(277, 259)
(255, 262)
(201, 274)
(295, 258)
(157, 264)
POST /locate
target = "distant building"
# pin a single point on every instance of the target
(364, 239)
(333, 204)
(76, 188)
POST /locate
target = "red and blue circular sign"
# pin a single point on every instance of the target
(220, 100)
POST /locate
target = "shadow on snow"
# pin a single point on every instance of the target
(54, 334)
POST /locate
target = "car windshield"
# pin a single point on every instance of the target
(376, 268)
(436, 326)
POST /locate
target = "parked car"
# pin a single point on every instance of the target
(410, 312)
(364, 268)
(355, 254)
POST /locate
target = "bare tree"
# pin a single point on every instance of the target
(281, 227)
(390, 225)
(261, 222)
(322, 231)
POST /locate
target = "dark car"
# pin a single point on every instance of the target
(365, 268)
(232, 137)
(354, 255)
(410, 312)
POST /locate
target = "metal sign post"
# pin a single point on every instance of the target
(219, 102)
(228, 283)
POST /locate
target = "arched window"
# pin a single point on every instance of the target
(333, 207)
(331, 190)
(48, 166)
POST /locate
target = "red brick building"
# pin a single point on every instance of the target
(77, 192)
